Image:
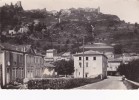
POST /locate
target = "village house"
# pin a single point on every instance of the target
(34, 65)
(36, 22)
(128, 57)
(65, 56)
(50, 55)
(113, 65)
(124, 58)
(108, 50)
(23, 29)
(12, 62)
(12, 32)
(90, 64)
(4, 33)
(22, 62)
(49, 70)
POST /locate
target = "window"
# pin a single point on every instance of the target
(86, 75)
(80, 58)
(80, 64)
(18, 73)
(21, 60)
(13, 73)
(32, 59)
(14, 63)
(36, 59)
(22, 72)
(94, 58)
(40, 60)
(86, 64)
(86, 58)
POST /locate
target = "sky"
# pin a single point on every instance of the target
(127, 10)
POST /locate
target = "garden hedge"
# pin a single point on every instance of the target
(60, 83)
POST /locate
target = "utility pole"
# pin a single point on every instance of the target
(83, 56)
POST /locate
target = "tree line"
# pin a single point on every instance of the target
(64, 67)
(130, 70)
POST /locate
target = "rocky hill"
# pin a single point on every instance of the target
(64, 30)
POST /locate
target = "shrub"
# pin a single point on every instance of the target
(130, 70)
(60, 83)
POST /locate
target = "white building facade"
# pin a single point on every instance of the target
(50, 55)
(95, 64)
(113, 66)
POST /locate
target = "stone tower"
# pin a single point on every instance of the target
(18, 4)
(98, 10)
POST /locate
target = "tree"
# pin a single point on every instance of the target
(130, 70)
(136, 25)
(118, 49)
(38, 27)
(67, 41)
(31, 27)
(136, 28)
(64, 67)
(135, 31)
(37, 44)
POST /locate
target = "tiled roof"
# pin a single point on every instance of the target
(66, 54)
(130, 58)
(91, 46)
(15, 47)
(1, 46)
(51, 50)
(49, 65)
(8, 46)
(125, 58)
(18, 48)
(115, 60)
(90, 52)
(97, 45)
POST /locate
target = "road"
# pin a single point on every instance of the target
(111, 83)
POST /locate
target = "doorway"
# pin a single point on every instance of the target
(86, 75)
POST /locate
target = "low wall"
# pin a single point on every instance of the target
(131, 84)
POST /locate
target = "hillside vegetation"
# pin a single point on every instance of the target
(64, 29)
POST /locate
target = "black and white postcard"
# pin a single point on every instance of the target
(69, 44)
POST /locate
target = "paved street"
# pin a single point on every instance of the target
(111, 83)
